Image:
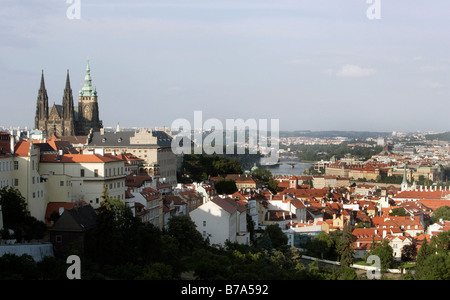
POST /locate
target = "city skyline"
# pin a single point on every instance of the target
(314, 66)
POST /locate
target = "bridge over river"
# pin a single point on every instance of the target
(288, 166)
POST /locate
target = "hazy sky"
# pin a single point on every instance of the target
(314, 65)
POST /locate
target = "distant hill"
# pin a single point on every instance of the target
(439, 136)
(333, 134)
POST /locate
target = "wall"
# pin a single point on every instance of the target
(29, 183)
(37, 251)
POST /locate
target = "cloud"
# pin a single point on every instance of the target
(354, 71)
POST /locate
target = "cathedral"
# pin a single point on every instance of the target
(67, 119)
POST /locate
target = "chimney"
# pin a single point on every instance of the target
(11, 144)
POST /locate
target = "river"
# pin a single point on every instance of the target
(288, 167)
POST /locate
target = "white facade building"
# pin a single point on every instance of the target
(222, 219)
(75, 177)
(26, 178)
(6, 166)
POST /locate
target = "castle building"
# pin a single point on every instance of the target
(67, 119)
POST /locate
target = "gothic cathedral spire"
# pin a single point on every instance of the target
(40, 120)
(68, 114)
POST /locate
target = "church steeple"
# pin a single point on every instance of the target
(67, 99)
(42, 88)
(88, 90)
(41, 106)
(68, 114)
(404, 186)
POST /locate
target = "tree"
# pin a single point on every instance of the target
(184, 230)
(442, 212)
(272, 185)
(265, 242)
(435, 267)
(424, 252)
(276, 235)
(267, 178)
(385, 253)
(441, 242)
(323, 246)
(18, 218)
(113, 239)
(345, 247)
(262, 174)
(409, 252)
(225, 186)
(433, 260)
(17, 267)
(398, 212)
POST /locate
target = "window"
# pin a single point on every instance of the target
(204, 223)
(82, 173)
(61, 183)
(16, 181)
(96, 173)
(59, 239)
(16, 165)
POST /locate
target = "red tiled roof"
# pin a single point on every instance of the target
(136, 180)
(78, 158)
(22, 148)
(434, 204)
(422, 194)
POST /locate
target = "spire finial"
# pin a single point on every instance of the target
(67, 80)
(42, 87)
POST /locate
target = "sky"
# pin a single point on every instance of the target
(364, 65)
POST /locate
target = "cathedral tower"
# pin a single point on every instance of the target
(41, 118)
(68, 112)
(88, 115)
